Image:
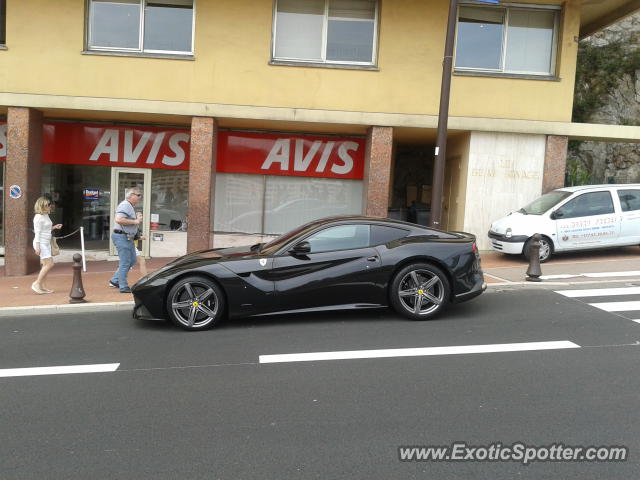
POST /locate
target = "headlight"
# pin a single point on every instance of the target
(508, 233)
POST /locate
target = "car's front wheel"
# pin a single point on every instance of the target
(420, 291)
(195, 303)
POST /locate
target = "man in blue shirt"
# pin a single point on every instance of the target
(126, 227)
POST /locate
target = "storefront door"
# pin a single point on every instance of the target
(121, 179)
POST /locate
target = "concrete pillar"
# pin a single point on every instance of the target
(555, 163)
(202, 181)
(377, 172)
(23, 168)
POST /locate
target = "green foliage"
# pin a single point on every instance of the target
(576, 174)
(599, 69)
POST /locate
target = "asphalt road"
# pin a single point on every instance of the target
(199, 405)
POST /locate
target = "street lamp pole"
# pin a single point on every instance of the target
(443, 120)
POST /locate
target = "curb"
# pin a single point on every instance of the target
(69, 308)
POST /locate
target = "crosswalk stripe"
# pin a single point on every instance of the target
(617, 306)
(61, 370)
(415, 352)
(600, 292)
(635, 273)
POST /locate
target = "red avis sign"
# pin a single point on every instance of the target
(293, 155)
(116, 146)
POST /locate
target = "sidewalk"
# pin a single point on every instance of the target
(579, 267)
(621, 264)
(16, 291)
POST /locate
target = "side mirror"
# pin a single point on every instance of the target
(301, 248)
(555, 215)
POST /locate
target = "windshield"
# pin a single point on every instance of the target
(544, 203)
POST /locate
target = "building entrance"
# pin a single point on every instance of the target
(121, 180)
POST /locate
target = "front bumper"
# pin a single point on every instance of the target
(140, 312)
(512, 245)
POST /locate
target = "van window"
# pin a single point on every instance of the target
(544, 203)
(587, 205)
(629, 200)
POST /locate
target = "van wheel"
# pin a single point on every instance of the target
(546, 249)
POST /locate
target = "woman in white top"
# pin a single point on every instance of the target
(42, 226)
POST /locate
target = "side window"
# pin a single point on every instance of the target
(381, 234)
(587, 204)
(326, 31)
(154, 26)
(342, 237)
(629, 200)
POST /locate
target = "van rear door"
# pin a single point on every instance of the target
(629, 216)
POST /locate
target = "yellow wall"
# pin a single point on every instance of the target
(232, 49)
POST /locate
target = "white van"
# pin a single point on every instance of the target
(572, 218)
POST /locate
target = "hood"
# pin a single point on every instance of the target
(217, 253)
(519, 223)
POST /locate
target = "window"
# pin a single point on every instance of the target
(342, 237)
(381, 234)
(629, 200)
(153, 26)
(273, 204)
(507, 39)
(3, 22)
(326, 31)
(587, 205)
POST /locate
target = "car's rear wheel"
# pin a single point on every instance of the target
(195, 303)
(546, 249)
(420, 291)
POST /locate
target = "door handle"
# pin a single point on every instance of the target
(372, 259)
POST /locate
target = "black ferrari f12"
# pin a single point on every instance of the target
(338, 262)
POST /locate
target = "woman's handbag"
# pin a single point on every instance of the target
(55, 250)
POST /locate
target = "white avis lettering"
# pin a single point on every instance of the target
(319, 151)
(133, 152)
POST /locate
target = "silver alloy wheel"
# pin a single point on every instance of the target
(545, 249)
(195, 304)
(421, 292)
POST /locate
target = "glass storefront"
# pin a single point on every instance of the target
(82, 197)
(272, 204)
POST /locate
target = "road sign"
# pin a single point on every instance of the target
(15, 191)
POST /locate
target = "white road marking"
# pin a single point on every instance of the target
(635, 273)
(637, 320)
(416, 352)
(617, 306)
(600, 292)
(63, 370)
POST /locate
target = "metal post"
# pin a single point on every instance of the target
(84, 261)
(443, 119)
(534, 271)
(77, 290)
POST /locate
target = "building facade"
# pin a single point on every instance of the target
(243, 119)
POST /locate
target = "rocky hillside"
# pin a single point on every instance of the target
(607, 91)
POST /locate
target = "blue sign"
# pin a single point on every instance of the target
(15, 191)
(91, 194)
(495, 2)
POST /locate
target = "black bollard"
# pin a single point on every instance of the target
(534, 271)
(77, 290)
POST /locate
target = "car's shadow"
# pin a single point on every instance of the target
(325, 317)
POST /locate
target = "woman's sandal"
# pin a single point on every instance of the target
(36, 289)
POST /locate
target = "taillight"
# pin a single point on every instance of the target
(474, 247)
